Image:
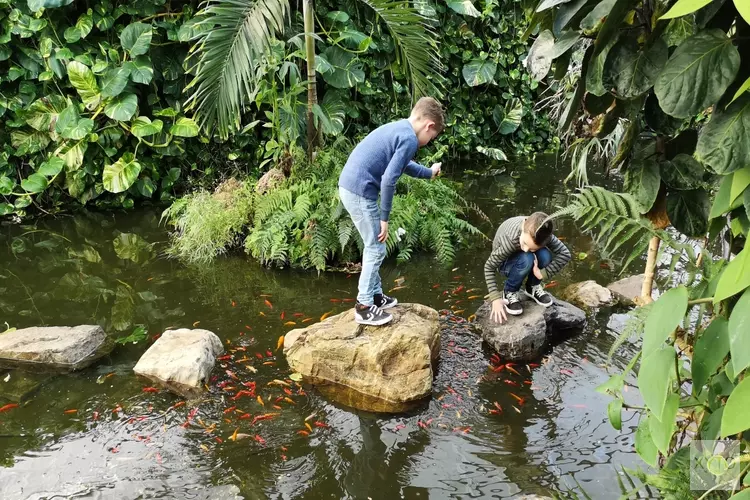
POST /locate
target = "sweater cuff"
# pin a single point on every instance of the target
(492, 296)
(544, 274)
(384, 215)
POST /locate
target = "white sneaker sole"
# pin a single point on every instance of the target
(379, 322)
(389, 306)
(513, 313)
(537, 301)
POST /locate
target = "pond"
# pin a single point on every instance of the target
(96, 433)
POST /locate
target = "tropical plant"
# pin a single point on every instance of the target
(301, 223)
(675, 75)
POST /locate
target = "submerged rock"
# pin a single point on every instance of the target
(587, 294)
(54, 347)
(523, 337)
(18, 386)
(181, 360)
(627, 290)
(392, 363)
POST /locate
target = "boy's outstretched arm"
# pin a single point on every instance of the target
(561, 257)
(414, 169)
(401, 157)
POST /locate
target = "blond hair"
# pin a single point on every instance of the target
(429, 108)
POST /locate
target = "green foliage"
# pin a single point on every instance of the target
(301, 223)
(139, 334)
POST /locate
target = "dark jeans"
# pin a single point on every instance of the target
(519, 265)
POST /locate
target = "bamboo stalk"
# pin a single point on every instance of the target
(312, 92)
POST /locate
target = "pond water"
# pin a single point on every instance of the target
(122, 442)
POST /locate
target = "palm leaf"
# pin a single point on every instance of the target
(229, 57)
(415, 45)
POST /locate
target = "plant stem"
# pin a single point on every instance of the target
(706, 300)
(648, 281)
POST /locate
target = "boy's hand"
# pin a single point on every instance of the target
(383, 231)
(435, 169)
(537, 272)
(498, 314)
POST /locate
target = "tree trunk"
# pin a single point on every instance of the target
(648, 280)
(312, 92)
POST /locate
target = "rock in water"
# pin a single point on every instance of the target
(628, 289)
(587, 294)
(181, 360)
(54, 347)
(523, 337)
(392, 363)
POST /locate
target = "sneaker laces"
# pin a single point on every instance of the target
(512, 297)
(538, 290)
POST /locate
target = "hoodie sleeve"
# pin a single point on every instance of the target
(402, 155)
(414, 169)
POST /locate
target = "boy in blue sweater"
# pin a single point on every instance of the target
(373, 168)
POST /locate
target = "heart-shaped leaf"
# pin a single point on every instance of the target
(122, 107)
(51, 167)
(119, 176)
(463, 7)
(631, 70)
(35, 183)
(539, 60)
(136, 38)
(84, 82)
(144, 127)
(710, 349)
(508, 119)
(479, 72)
(114, 81)
(141, 70)
(184, 127)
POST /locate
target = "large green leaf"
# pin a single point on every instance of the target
(743, 7)
(688, 211)
(136, 38)
(35, 183)
(119, 176)
(122, 107)
(735, 278)
(494, 153)
(709, 352)
(6, 185)
(631, 70)
(665, 315)
(141, 70)
(479, 72)
(463, 7)
(6, 208)
(679, 29)
(508, 119)
(29, 141)
(736, 418)
(565, 42)
(595, 19)
(71, 126)
(683, 172)
(724, 143)
(614, 412)
(739, 332)
(642, 180)
(644, 443)
(123, 308)
(80, 30)
(84, 82)
(565, 14)
(539, 60)
(184, 127)
(73, 154)
(685, 7)
(664, 426)
(114, 81)
(144, 127)
(612, 24)
(740, 182)
(51, 167)
(722, 201)
(548, 4)
(35, 5)
(347, 69)
(697, 74)
(655, 378)
(43, 113)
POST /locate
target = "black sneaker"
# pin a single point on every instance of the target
(370, 315)
(539, 295)
(513, 306)
(385, 302)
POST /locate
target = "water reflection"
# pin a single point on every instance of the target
(107, 269)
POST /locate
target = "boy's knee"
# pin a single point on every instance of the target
(526, 261)
(543, 257)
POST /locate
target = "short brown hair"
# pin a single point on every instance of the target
(429, 108)
(539, 226)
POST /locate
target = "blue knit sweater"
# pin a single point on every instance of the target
(377, 162)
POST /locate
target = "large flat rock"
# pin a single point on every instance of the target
(392, 363)
(522, 338)
(181, 360)
(627, 290)
(54, 347)
(588, 294)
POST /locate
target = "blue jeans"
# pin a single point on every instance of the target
(366, 217)
(520, 265)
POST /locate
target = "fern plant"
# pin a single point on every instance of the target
(617, 219)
